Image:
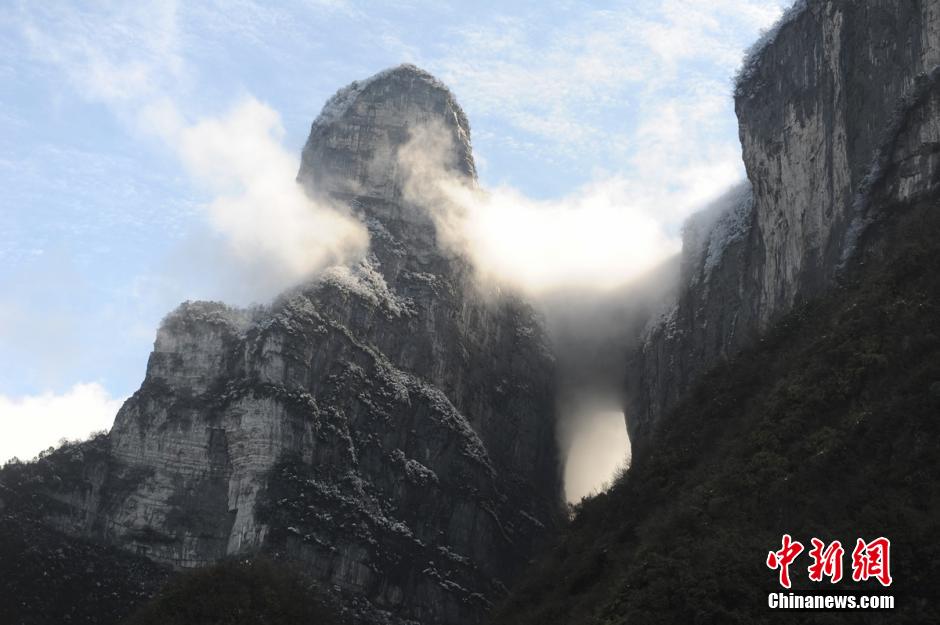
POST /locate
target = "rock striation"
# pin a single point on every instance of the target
(387, 425)
(822, 101)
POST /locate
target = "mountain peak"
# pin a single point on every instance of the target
(353, 144)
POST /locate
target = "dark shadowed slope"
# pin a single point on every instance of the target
(238, 592)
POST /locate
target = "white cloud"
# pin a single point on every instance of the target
(119, 54)
(259, 206)
(273, 231)
(32, 423)
(599, 237)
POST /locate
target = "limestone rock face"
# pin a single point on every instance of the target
(353, 143)
(820, 103)
(388, 425)
(813, 113)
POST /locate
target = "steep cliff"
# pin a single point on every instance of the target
(388, 425)
(713, 315)
(819, 100)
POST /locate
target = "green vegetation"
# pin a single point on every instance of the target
(830, 427)
(237, 592)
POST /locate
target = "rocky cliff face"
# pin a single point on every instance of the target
(388, 425)
(820, 101)
(353, 144)
(712, 317)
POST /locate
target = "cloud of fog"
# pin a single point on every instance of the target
(593, 334)
(273, 232)
(36, 422)
(598, 238)
(590, 239)
(598, 264)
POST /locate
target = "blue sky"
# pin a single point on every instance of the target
(103, 220)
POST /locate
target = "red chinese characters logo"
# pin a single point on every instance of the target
(826, 562)
(870, 560)
(783, 558)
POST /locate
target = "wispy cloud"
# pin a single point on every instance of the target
(569, 68)
(277, 234)
(633, 87)
(119, 54)
(644, 89)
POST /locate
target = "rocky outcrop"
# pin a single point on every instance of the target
(819, 101)
(387, 425)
